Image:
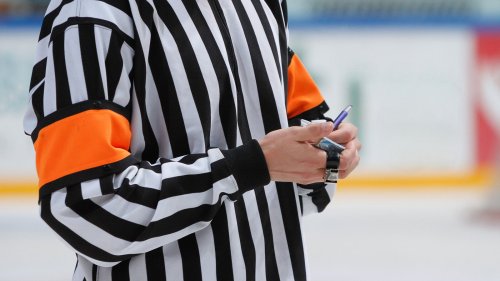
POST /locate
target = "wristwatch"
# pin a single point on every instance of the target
(332, 167)
(333, 151)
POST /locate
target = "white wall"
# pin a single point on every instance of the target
(415, 112)
(17, 49)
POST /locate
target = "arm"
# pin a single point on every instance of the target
(102, 201)
(306, 102)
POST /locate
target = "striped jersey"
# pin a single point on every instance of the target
(144, 116)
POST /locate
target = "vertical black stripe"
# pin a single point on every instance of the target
(243, 125)
(223, 259)
(301, 202)
(114, 64)
(246, 241)
(288, 205)
(37, 101)
(269, 33)
(280, 13)
(94, 272)
(267, 101)
(155, 265)
(38, 73)
(49, 19)
(61, 75)
(195, 77)
(151, 150)
(190, 255)
(227, 109)
(284, 9)
(120, 272)
(271, 265)
(74, 195)
(90, 61)
(167, 94)
(106, 184)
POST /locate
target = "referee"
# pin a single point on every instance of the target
(162, 139)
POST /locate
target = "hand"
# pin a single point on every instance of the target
(347, 135)
(291, 155)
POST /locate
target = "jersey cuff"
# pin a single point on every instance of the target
(248, 166)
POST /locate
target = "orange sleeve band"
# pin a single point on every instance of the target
(303, 93)
(82, 141)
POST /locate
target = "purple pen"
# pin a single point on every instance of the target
(343, 114)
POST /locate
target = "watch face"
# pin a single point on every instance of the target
(330, 146)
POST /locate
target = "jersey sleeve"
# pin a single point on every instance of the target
(105, 203)
(305, 101)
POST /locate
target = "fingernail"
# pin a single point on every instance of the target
(324, 126)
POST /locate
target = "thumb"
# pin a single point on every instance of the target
(314, 131)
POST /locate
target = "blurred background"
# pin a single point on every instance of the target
(423, 77)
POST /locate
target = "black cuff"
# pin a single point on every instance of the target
(248, 166)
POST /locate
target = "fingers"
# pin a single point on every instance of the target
(312, 132)
(344, 134)
(290, 156)
(349, 159)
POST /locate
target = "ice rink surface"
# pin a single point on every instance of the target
(363, 235)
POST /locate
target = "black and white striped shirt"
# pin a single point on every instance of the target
(144, 115)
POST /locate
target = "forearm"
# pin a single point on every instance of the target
(148, 206)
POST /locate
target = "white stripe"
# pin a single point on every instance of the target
(172, 205)
(214, 28)
(200, 166)
(42, 49)
(29, 121)
(91, 189)
(142, 177)
(269, 62)
(238, 263)
(74, 65)
(257, 234)
(173, 262)
(331, 189)
(53, 5)
(281, 249)
(122, 94)
(192, 122)
(155, 115)
(49, 94)
(265, 49)
(78, 275)
(137, 143)
(137, 268)
(206, 246)
(208, 72)
(101, 10)
(104, 274)
(129, 211)
(84, 268)
(246, 71)
(102, 38)
(274, 27)
(308, 206)
(69, 10)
